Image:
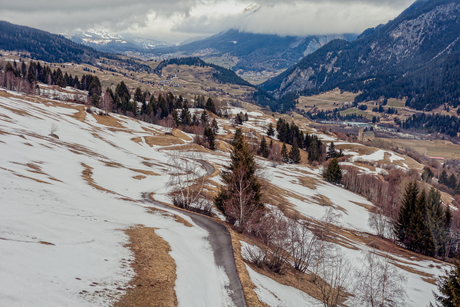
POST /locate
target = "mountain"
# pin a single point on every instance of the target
(115, 43)
(43, 45)
(404, 58)
(254, 52)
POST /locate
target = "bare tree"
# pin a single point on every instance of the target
(379, 283)
(323, 231)
(334, 276)
(302, 244)
(187, 178)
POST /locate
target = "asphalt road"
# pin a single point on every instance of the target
(220, 240)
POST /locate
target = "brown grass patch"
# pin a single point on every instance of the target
(190, 147)
(309, 182)
(108, 121)
(179, 134)
(168, 214)
(248, 286)
(139, 177)
(22, 176)
(137, 140)
(165, 140)
(149, 173)
(155, 270)
(87, 176)
(46, 243)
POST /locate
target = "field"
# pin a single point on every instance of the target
(435, 148)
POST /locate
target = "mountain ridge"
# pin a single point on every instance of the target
(426, 31)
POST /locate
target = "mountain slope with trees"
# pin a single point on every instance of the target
(255, 52)
(414, 56)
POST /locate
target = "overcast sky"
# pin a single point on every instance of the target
(176, 20)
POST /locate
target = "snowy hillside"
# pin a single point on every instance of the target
(68, 204)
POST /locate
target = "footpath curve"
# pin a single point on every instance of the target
(220, 240)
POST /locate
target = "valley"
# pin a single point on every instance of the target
(242, 168)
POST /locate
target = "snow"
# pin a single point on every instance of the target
(83, 225)
(275, 294)
(379, 155)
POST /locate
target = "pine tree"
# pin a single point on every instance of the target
(412, 227)
(331, 153)
(333, 173)
(449, 287)
(270, 131)
(214, 126)
(452, 182)
(284, 153)
(204, 117)
(439, 221)
(402, 227)
(209, 134)
(210, 106)
(240, 195)
(422, 240)
(294, 154)
(264, 148)
(443, 177)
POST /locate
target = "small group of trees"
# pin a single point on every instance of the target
(423, 225)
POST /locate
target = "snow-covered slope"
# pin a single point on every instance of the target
(66, 202)
(61, 234)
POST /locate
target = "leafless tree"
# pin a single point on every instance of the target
(379, 283)
(272, 234)
(323, 230)
(107, 103)
(186, 178)
(334, 275)
(302, 244)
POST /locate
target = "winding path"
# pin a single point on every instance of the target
(220, 240)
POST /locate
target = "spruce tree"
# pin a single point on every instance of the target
(264, 148)
(443, 177)
(270, 131)
(452, 182)
(210, 137)
(402, 227)
(240, 195)
(294, 154)
(284, 153)
(449, 287)
(333, 173)
(331, 153)
(412, 227)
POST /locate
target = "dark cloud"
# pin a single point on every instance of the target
(179, 19)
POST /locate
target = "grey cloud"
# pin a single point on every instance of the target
(294, 17)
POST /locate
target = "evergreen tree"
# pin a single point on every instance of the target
(214, 126)
(240, 195)
(331, 152)
(449, 287)
(284, 153)
(138, 95)
(333, 173)
(264, 148)
(185, 116)
(452, 182)
(204, 118)
(422, 240)
(209, 134)
(402, 226)
(294, 154)
(210, 106)
(427, 174)
(95, 100)
(443, 177)
(270, 131)
(412, 228)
